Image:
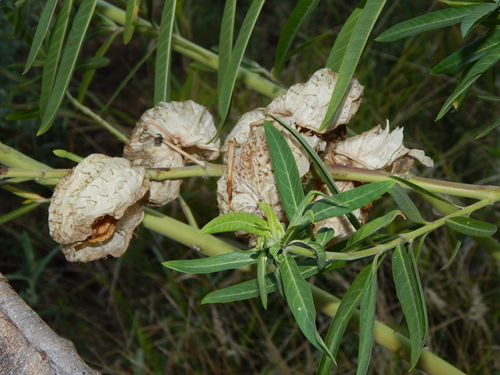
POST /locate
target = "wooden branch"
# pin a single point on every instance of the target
(28, 345)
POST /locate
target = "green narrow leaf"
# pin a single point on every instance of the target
(56, 44)
(229, 78)
(300, 300)
(418, 248)
(421, 300)
(67, 155)
(488, 60)
(471, 227)
(25, 114)
(164, 52)
(324, 235)
(341, 319)
(274, 225)
(369, 228)
(367, 319)
(131, 13)
(41, 31)
(261, 277)
(237, 221)
(352, 199)
(354, 49)
(455, 251)
(475, 17)
(406, 205)
(68, 61)
(226, 42)
(18, 212)
(341, 44)
(89, 74)
(484, 133)
(423, 191)
(214, 263)
(427, 22)
(409, 295)
(299, 14)
(467, 54)
(285, 169)
(318, 250)
(250, 288)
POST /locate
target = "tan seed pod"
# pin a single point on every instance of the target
(305, 104)
(377, 149)
(168, 136)
(91, 208)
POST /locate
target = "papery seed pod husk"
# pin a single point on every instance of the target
(305, 104)
(377, 149)
(92, 205)
(188, 126)
(253, 179)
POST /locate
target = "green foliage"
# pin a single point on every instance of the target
(474, 59)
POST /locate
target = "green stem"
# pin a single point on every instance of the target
(340, 172)
(194, 51)
(54, 175)
(106, 125)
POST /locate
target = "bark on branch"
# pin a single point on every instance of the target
(28, 345)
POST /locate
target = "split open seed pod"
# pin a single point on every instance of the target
(167, 136)
(377, 149)
(95, 208)
(305, 104)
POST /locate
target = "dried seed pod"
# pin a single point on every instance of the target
(94, 208)
(377, 149)
(165, 137)
(305, 104)
(253, 179)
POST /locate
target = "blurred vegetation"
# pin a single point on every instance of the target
(132, 316)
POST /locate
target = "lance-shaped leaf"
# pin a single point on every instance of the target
(56, 44)
(130, 18)
(471, 227)
(274, 225)
(488, 130)
(406, 204)
(410, 295)
(371, 227)
(474, 18)
(229, 78)
(250, 288)
(261, 277)
(352, 199)
(235, 221)
(163, 53)
(300, 300)
(41, 31)
(467, 54)
(487, 61)
(427, 22)
(341, 319)
(215, 263)
(285, 169)
(299, 14)
(354, 49)
(68, 61)
(367, 319)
